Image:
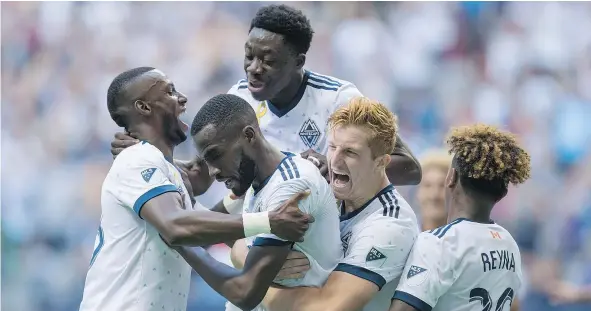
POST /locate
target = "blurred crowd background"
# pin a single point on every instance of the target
(525, 67)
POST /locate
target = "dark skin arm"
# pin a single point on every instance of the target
(398, 305)
(404, 168)
(179, 226)
(244, 288)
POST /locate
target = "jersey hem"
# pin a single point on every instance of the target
(411, 300)
(363, 273)
(150, 194)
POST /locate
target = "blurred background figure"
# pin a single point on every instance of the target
(431, 190)
(523, 66)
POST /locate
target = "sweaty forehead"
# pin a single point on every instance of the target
(265, 40)
(151, 80)
(208, 137)
(355, 137)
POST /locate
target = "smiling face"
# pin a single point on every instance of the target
(269, 63)
(227, 156)
(354, 172)
(155, 97)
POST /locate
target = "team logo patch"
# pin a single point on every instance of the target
(414, 270)
(416, 275)
(345, 240)
(309, 133)
(147, 174)
(374, 254)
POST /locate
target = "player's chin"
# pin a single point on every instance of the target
(341, 191)
(259, 93)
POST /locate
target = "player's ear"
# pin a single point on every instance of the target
(383, 161)
(300, 60)
(142, 107)
(452, 178)
(248, 133)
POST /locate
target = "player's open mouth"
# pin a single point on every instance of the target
(184, 126)
(255, 86)
(339, 180)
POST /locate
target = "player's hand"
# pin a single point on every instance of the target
(120, 142)
(195, 174)
(319, 160)
(295, 267)
(288, 221)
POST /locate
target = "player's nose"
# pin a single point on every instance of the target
(213, 171)
(182, 99)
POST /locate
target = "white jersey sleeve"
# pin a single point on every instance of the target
(141, 176)
(378, 252)
(428, 273)
(282, 193)
(345, 93)
(240, 85)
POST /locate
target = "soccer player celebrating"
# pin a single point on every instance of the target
(470, 263)
(377, 226)
(143, 198)
(228, 138)
(293, 104)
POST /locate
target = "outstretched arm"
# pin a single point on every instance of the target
(404, 169)
(180, 226)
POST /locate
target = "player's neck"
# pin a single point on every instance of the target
(370, 193)
(148, 134)
(287, 95)
(267, 160)
(469, 208)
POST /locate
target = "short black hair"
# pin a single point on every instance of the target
(225, 109)
(115, 98)
(287, 21)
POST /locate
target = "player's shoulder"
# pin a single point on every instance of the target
(240, 89)
(296, 172)
(140, 154)
(326, 83)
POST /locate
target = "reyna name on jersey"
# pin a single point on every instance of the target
(302, 124)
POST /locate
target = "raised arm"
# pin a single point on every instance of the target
(144, 186)
(179, 226)
(404, 169)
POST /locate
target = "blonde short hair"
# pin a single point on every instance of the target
(372, 115)
(436, 158)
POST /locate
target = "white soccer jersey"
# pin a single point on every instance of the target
(303, 124)
(321, 243)
(131, 267)
(462, 266)
(377, 239)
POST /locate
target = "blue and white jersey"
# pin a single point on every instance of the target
(462, 266)
(321, 243)
(131, 267)
(300, 126)
(377, 239)
(303, 124)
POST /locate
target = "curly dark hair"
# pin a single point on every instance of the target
(487, 159)
(287, 21)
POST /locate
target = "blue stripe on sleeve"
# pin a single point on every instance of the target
(362, 273)
(412, 301)
(150, 194)
(270, 242)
